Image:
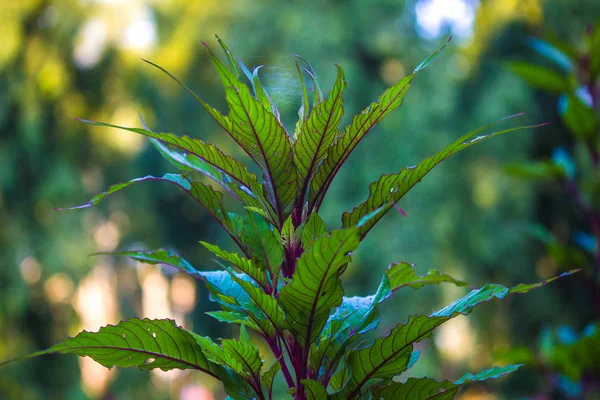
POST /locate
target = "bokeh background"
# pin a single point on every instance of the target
(67, 59)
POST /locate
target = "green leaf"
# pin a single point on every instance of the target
(235, 170)
(246, 354)
(222, 120)
(171, 178)
(305, 107)
(146, 344)
(224, 290)
(268, 377)
(540, 77)
(263, 244)
(315, 287)
(578, 117)
(313, 228)
(230, 58)
(404, 275)
(391, 355)
(347, 141)
(262, 309)
(314, 390)
(158, 256)
(536, 170)
(318, 133)
(429, 389)
(266, 141)
(204, 194)
(560, 53)
(389, 189)
(361, 124)
(595, 53)
(354, 317)
(241, 263)
(189, 162)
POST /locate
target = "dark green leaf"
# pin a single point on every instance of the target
(315, 287)
(536, 170)
(146, 344)
(314, 390)
(540, 77)
(578, 117)
(318, 133)
(268, 144)
(263, 244)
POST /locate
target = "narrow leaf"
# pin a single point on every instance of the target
(429, 389)
(404, 275)
(268, 377)
(241, 263)
(158, 256)
(389, 189)
(318, 133)
(540, 77)
(361, 124)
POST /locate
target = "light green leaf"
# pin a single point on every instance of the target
(230, 59)
(204, 194)
(189, 162)
(245, 186)
(318, 133)
(312, 229)
(389, 189)
(171, 178)
(206, 152)
(429, 389)
(354, 317)
(222, 120)
(158, 256)
(241, 263)
(315, 287)
(404, 275)
(268, 378)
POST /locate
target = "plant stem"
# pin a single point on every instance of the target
(278, 353)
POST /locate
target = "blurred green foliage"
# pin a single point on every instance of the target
(68, 59)
(570, 72)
